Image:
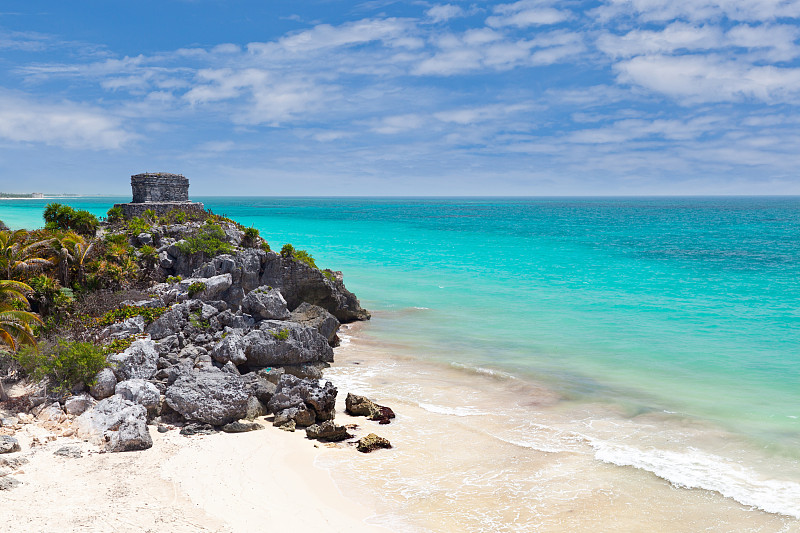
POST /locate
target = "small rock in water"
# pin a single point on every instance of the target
(196, 428)
(162, 428)
(372, 442)
(69, 451)
(362, 406)
(241, 427)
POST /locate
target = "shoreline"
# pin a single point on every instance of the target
(553, 460)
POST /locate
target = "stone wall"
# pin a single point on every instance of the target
(160, 208)
(159, 187)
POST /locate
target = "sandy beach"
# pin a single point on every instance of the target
(209, 483)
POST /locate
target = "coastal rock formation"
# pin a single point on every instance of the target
(361, 406)
(8, 444)
(104, 384)
(138, 361)
(302, 401)
(371, 443)
(77, 405)
(318, 318)
(265, 303)
(119, 424)
(327, 431)
(211, 397)
(140, 392)
(277, 343)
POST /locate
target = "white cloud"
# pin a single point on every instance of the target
(699, 10)
(390, 31)
(444, 12)
(695, 79)
(64, 124)
(526, 13)
(674, 37)
(398, 123)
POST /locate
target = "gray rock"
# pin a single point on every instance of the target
(265, 303)
(77, 405)
(361, 406)
(235, 321)
(241, 427)
(51, 413)
(294, 416)
(8, 483)
(69, 451)
(124, 329)
(104, 384)
(278, 343)
(327, 431)
(318, 318)
(255, 408)
(306, 370)
(145, 239)
(139, 361)
(8, 444)
(216, 286)
(230, 348)
(371, 443)
(197, 428)
(212, 397)
(151, 303)
(170, 323)
(140, 392)
(165, 261)
(295, 393)
(116, 422)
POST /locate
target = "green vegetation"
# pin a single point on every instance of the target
(65, 364)
(251, 238)
(64, 217)
(138, 225)
(328, 274)
(118, 345)
(302, 256)
(265, 246)
(281, 335)
(114, 215)
(129, 311)
(196, 319)
(196, 287)
(15, 322)
(210, 241)
(174, 279)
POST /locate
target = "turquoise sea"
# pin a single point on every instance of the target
(686, 306)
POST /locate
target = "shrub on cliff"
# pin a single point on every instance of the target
(64, 217)
(210, 240)
(290, 252)
(66, 364)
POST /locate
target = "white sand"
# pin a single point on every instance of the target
(221, 483)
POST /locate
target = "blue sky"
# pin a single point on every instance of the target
(534, 97)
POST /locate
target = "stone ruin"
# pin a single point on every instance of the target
(160, 191)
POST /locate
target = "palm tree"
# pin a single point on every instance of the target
(81, 252)
(17, 257)
(15, 324)
(64, 252)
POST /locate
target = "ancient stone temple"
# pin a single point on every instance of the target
(160, 191)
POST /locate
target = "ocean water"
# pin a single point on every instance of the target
(668, 329)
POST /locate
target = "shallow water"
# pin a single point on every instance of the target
(662, 334)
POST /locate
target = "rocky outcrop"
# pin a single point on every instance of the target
(77, 405)
(138, 361)
(212, 397)
(361, 406)
(265, 303)
(118, 424)
(140, 392)
(8, 444)
(277, 343)
(371, 443)
(104, 384)
(327, 431)
(302, 401)
(318, 318)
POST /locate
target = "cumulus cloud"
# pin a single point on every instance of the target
(698, 10)
(444, 12)
(526, 13)
(695, 79)
(65, 124)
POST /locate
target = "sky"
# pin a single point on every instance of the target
(413, 98)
